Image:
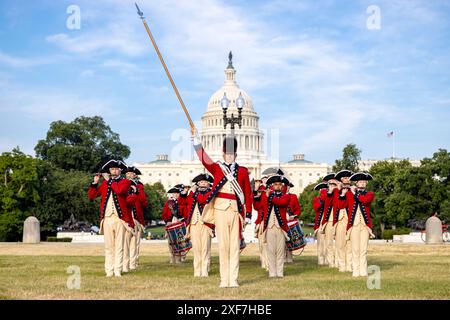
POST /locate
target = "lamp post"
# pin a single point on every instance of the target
(225, 102)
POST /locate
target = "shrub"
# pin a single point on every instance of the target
(388, 234)
(55, 239)
(11, 226)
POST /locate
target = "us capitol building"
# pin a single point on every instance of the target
(250, 152)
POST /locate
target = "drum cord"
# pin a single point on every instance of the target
(300, 252)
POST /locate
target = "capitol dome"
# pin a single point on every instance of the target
(250, 138)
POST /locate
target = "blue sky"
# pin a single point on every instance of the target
(313, 68)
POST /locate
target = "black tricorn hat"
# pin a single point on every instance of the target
(321, 185)
(203, 176)
(274, 179)
(329, 176)
(280, 172)
(361, 176)
(229, 145)
(113, 164)
(287, 182)
(342, 174)
(174, 190)
(179, 186)
(132, 169)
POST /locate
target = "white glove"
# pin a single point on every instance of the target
(248, 220)
(195, 137)
(211, 233)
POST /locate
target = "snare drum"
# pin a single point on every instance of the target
(177, 237)
(297, 239)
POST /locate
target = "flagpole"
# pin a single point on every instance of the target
(140, 13)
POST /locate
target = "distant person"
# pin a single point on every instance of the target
(132, 174)
(359, 227)
(318, 205)
(114, 215)
(229, 208)
(200, 234)
(173, 212)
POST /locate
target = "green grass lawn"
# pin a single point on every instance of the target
(406, 273)
(160, 231)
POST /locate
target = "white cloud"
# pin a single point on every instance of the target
(123, 66)
(114, 40)
(87, 73)
(48, 105)
(19, 62)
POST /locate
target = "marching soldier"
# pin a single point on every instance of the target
(359, 227)
(275, 225)
(318, 206)
(343, 246)
(183, 203)
(229, 203)
(132, 174)
(200, 234)
(329, 197)
(115, 216)
(293, 211)
(259, 223)
(173, 212)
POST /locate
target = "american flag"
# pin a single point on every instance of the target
(390, 134)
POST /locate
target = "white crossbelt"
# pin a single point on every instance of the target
(236, 187)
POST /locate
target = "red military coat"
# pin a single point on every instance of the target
(281, 202)
(330, 201)
(318, 208)
(294, 205)
(141, 204)
(360, 198)
(120, 188)
(167, 212)
(258, 206)
(183, 203)
(196, 198)
(216, 171)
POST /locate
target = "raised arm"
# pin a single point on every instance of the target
(317, 205)
(295, 205)
(142, 196)
(131, 200)
(94, 191)
(122, 187)
(207, 162)
(367, 198)
(282, 201)
(166, 213)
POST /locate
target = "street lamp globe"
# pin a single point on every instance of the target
(224, 102)
(240, 102)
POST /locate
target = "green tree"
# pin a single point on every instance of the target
(306, 199)
(19, 191)
(83, 144)
(156, 195)
(350, 157)
(383, 185)
(64, 193)
(437, 187)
